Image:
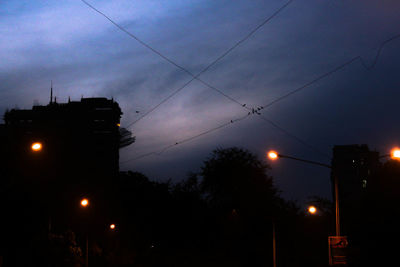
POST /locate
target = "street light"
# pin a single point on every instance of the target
(273, 155)
(112, 226)
(395, 153)
(312, 210)
(36, 146)
(84, 202)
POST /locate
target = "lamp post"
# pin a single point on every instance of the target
(311, 209)
(85, 204)
(334, 240)
(273, 244)
(273, 155)
(394, 154)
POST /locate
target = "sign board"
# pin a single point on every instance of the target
(337, 250)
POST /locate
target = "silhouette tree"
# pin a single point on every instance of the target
(245, 203)
(234, 178)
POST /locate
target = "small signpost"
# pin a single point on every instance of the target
(337, 250)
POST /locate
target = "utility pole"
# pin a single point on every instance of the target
(337, 205)
(87, 250)
(273, 244)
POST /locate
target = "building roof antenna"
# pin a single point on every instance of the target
(51, 92)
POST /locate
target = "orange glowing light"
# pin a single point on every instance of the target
(312, 209)
(112, 226)
(37, 146)
(395, 153)
(118, 124)
(84, 202)
(272, 155)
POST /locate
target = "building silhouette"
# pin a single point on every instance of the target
(79, 153)
(78, 138)
(40, 190)
(355, 167)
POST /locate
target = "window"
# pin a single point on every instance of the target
(364, 183)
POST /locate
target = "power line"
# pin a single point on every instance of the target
(335, 70)
(194, 77)
(201, 72)
(310, 83)
(136, 38)
(159, 152)
(258, 110)
(378, 53)
(301, 141)
(225, 95)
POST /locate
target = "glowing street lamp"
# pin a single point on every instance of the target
(112, 226)
(36, 146)
(395, 153)
(312, 210)
(84, 202)
(273, 155)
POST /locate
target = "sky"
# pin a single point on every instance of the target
(158, 45)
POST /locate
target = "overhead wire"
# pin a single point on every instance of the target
(159, 152)
(289, 134)
(194, 77)
(258, 110)
(310, 83)
(326, 74)
(222, 56)
(378, 52)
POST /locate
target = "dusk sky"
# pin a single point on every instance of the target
(85, 54)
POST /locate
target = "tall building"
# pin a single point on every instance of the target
(354, 166)
(50, 157)
(79, 140)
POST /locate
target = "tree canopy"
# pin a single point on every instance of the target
(235, 178)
